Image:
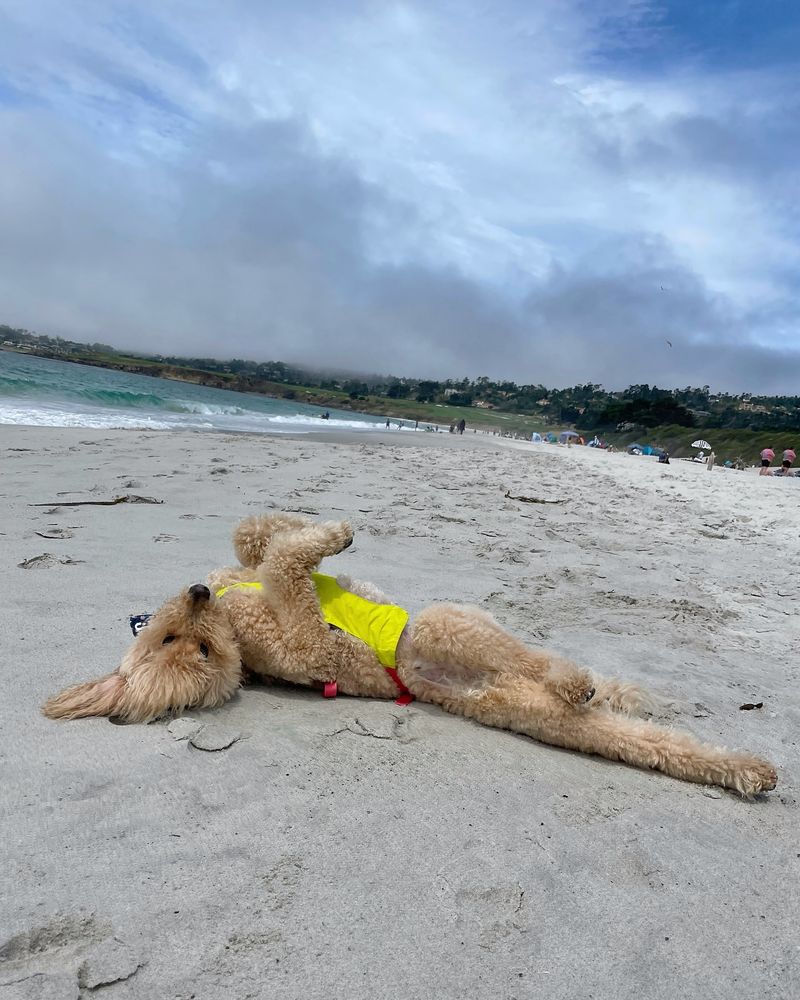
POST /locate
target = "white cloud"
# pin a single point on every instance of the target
(426, 188)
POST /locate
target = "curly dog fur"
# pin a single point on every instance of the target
(193, 651)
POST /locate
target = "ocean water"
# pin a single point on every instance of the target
(44, 393)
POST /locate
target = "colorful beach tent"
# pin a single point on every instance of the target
(565, 436)
(536, 437)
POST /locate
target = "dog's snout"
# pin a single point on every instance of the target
(199, 592)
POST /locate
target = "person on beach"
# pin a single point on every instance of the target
(387, 423)
(462, 425)
(788, 457)
(766, 457)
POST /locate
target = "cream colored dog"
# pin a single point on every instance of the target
(192, 653)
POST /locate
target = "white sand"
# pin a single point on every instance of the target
(336, 852)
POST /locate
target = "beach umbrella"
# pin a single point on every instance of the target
(701, 444)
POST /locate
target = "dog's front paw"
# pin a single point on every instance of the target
(339, 536)
(348, 537)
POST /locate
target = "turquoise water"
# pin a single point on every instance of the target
(44, 393)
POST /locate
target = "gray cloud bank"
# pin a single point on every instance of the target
(236, 233)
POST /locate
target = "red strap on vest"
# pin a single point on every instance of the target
(330, 690)
(406, 697)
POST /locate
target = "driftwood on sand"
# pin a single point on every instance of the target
(127, 498)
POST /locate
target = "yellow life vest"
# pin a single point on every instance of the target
(378, 625)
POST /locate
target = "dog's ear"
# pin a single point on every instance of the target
(101, 697)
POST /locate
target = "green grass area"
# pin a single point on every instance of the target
(140, 366)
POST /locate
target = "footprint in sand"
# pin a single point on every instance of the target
(62, 957)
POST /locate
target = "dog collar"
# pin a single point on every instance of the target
(138, 622)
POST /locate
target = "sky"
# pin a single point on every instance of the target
(548, 191)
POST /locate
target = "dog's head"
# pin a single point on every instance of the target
(186, 657)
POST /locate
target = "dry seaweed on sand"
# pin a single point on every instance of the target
(523, 499)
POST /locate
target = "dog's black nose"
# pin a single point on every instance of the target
(200, 592)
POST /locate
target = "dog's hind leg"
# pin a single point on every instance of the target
(649, 746)
(532, 710)
(471, 640)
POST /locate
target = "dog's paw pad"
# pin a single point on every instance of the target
(576, 688)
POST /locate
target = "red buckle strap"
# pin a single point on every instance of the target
(406, 697)
(330, 690)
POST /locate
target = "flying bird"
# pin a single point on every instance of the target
(670, 343)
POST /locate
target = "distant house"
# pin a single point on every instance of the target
(484, 404)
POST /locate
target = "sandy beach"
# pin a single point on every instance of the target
(354, 849)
